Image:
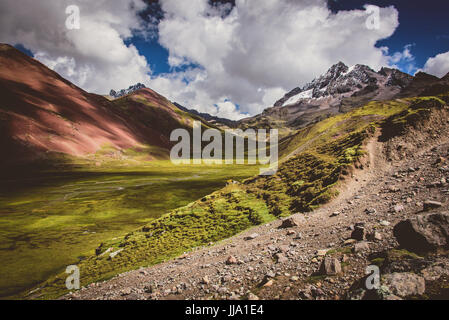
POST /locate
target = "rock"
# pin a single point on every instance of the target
(252, 236)
(231, 260)
(291, 233)
(252, 297)
(359, 233)
(393, 189)
(435, 272)
(284, 249)
(423, 233)
(114, 254)
(269, 283)
(349, 242)
(335, 214)
(205, 280)
(384, 223)
(375, 236)
(404, 284)
(322, 253)
(289, 223)
(330, 267)
(360, 247)
(280, 258)
(298, 236)
(370, 211)
(429, 205)
(398, 208)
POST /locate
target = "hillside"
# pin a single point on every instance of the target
(316, 163)
(42, 114)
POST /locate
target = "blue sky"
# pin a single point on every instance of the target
(227, 58)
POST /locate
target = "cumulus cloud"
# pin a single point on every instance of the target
(263, 48)
(95, 57)
(246, 56)
(438, 65)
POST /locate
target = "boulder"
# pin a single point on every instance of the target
(290, 223)
(424, 233)
(359, 233)
(404, 284)
(330, 267)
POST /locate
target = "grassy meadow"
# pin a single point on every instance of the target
(54, 220)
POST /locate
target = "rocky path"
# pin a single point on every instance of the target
(321, 255)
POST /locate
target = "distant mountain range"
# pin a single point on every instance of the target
(42, 113)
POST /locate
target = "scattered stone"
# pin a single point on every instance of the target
(384, 223)
(269, 283)
(290, 223)
(361, 247)
(280, 258)
(231, 260)
(429, 205)
(322, 253)
(252, 297)
(252, 236)
(291, 233)
(370, 211)
(205, 280)
(335, 214)
(423, 233)
(359, 233)
(375, 236)
(398, 208)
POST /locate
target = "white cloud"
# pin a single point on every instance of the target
(227, 109)
(263, 48)
(438, 65)
(94, 57)
(249, 57)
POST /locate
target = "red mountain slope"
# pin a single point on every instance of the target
(41, 112)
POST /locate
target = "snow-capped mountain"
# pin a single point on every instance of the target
(341, 81)
(342, 89)
(125, 92)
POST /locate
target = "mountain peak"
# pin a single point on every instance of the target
(125, 92)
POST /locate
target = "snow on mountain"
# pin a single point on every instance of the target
(125, 92)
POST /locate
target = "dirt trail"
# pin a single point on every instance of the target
(389, 185)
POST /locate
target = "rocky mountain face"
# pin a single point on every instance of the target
(125, 92)
(344, 88)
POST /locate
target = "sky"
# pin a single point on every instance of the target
(228, 58)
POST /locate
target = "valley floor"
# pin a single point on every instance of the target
(50, 222)
(268, 262)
